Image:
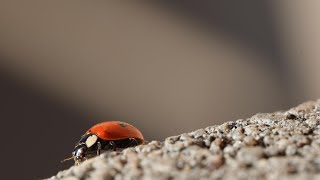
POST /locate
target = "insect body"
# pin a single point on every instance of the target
(110, 135)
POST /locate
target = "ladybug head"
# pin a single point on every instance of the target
(79, 152)
(85, 143)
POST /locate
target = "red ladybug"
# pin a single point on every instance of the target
(110, 135)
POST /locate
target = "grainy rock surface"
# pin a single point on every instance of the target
(280, 145)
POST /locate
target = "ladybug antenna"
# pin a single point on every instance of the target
(67, 159)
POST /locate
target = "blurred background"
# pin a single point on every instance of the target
(165, 67)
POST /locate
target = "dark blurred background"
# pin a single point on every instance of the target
(166, 67)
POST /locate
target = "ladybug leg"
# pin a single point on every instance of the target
(98, 148)
(113, 145)
(133, 142)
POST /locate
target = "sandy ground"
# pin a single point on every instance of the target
(280, 145)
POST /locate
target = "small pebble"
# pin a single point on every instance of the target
(238, 134)
(216, 162)
(249, 155)
(250, 141)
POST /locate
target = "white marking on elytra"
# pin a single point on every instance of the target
(91, 140)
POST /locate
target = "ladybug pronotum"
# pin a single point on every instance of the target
(110, 135)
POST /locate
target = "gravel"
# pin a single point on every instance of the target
(280, 145)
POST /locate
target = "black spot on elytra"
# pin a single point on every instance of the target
(122, 124)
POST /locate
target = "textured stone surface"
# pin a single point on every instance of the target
(280, 145)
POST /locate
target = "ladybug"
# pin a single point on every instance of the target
(106, 136)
